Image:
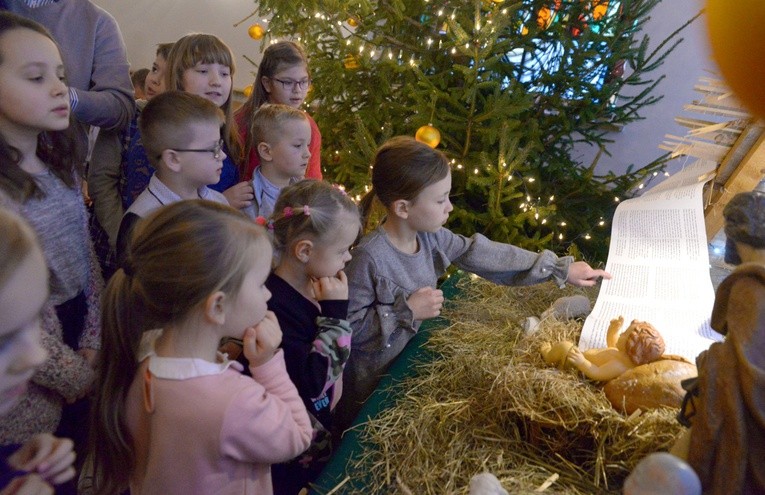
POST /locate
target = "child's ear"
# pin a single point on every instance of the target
(264, 151)
(302, 250)
(171, 159)
(214, 311)
(400, 208)
(266, 82)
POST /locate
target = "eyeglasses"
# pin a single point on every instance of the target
(215, 150)
(289, 84)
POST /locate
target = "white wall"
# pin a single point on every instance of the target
(638, 142)
(144, 23)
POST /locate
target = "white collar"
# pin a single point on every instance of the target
(180, 368)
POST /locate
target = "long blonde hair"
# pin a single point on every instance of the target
(177, 257)
(202, 48)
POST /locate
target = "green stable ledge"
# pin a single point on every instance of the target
(385, 396)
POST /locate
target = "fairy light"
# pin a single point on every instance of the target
(459, 166)
(563, 224)
(552, 198)
(531, 179)
(371, 53)
(616, 199)
(475, 171)
(560, 236)
(601, 223)
(587, 236)
(454, 50)
(347, 42)
(429, 42)
(641, 186)
(544, 221)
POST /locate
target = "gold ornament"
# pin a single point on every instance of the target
(247, 90)
(353, 22)
(738, 42)
(351, 62)
(256, 32)
(429, 135)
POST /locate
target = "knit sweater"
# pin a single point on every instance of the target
(381, 278)
(65, 375)
(238, 425)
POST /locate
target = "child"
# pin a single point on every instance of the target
(181, 134)
(172, 415)
(119, 170)
(282, 134)
(202, 64)
(394, 270)
(314, 226)
(282, 78)
(39, 178)
(44, 460)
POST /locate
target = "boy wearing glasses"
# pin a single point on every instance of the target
(181, 135)
(282, 135)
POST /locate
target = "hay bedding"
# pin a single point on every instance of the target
(490, 404)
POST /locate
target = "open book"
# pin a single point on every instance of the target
(659, 261)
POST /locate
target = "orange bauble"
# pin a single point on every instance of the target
(256, 32)
(353, 22)
(738, 44)
(429, 135)
(247, 90)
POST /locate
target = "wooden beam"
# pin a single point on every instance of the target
(749, 171)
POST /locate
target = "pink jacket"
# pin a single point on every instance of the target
(202, 427)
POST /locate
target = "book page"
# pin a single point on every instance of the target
(659, 261)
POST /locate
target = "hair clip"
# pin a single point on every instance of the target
(264, 222)
(306, 210)
(287, 211)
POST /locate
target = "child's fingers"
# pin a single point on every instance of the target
(60, 470)
(31, 484)
(342, 277)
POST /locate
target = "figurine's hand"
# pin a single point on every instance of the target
(331, 288)
(576, 358)
(240, 195)
(583, 275)
(426, 302)
(48, 456)
(262, 340)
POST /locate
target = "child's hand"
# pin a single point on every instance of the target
(31, 484)
(582, 275)
(240, 195)
(426, 302)
(331, 288)
(48, 456)
(262, 340)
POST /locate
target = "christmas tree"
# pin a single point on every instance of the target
(510, 89)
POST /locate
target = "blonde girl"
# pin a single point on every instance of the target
(40, 178)
(392, 277)
(171, 414)
(44, 460)
(202, 64)
(314, 225)
(282, 78)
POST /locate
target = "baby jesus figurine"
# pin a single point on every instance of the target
(639, 344)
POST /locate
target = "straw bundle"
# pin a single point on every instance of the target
(487, 402)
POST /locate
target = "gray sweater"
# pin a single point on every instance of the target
(381, 278)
